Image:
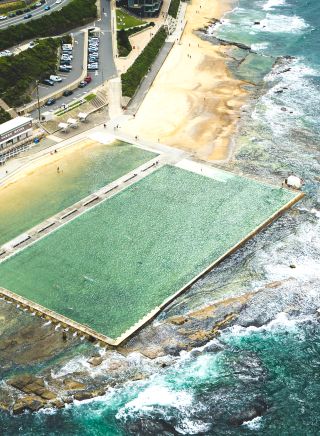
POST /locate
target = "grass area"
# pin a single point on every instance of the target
(4, 116)
(90, 97)
(133, 77)
(112, 265)
(75, 14)
(125, 20)
(18, 74)
(9, 7)
(173, 8)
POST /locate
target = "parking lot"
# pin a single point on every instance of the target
(67, 78)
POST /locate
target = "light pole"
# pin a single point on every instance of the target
(37, 83)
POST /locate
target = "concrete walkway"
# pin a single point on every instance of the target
(146, 83)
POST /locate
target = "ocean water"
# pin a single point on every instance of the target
(269, 374)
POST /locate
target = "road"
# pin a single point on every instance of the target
(107, 68)
(36, 13)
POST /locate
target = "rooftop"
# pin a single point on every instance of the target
(13, 124)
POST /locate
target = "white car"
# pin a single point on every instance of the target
(55, 78)
(58, 2)
(6, 53)
(3, 17)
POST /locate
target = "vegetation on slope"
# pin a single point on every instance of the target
(123, 42)
(4, 116)
(173, 8)
(133, 77)
(75, 14)
(18, 74)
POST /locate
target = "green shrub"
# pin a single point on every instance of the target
(18, 74)
(9, 7)
(173, 8)
(75, 14)
(132, 78)
(124, 46)
(4, 116)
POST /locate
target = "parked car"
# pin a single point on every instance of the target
(67, 93)
(65, 68)
(3, 17)
(6, 53)
(93, 50)
(42, 2)
(67, 47)
(26, 17)
(67, 56)
(12, 15)
(38, 4)
(47, 8)
(55, 78)
(65, 62)
(26, 10)
(48, 82)
(50, 102)
(58, 2)
(82, 84)
(32, 44)
(93, 67)
(19, 12)
(88, 79)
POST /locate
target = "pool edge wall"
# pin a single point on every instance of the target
(92, 334)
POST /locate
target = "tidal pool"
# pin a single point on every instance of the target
(113, 264)
(44, 191)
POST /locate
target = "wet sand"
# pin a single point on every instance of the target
(194, 102)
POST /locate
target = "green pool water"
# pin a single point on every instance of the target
(113, 264)
(45, 192)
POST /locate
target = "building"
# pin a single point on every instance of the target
(14, 137)
(142, 8)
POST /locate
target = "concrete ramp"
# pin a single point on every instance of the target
(115, 93)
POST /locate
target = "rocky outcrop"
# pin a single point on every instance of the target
(32, 385)
(29, 403)
(95, 361)
(87, 395)
(73, 385)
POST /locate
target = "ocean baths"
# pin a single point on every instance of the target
(119, 263)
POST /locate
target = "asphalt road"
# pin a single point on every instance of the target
(67, 78)
(107, 68)
(36, 13)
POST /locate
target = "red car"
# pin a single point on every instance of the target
(88, 79)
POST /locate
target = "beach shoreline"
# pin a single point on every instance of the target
(194, 103)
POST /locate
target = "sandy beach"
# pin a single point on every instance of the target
(194, 102)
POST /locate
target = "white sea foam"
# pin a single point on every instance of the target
(259, 46)
(282, 322)
(282, 24)
(253, 424)
(272, 4)
(153, 397)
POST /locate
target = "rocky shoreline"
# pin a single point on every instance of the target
(154, 348)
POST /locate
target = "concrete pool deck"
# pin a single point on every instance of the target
(154, 254)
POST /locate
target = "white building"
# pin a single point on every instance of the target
(14, 135)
